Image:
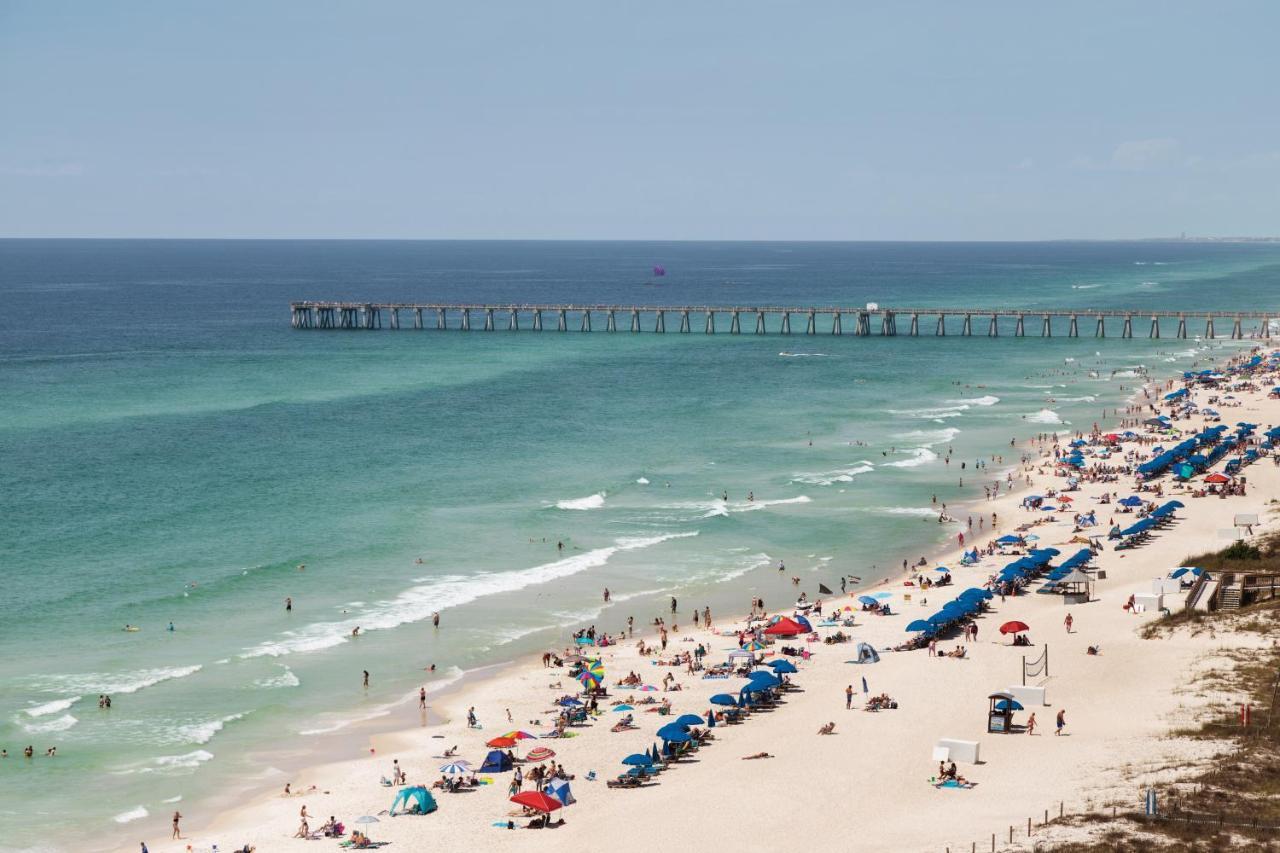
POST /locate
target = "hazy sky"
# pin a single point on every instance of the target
(613, 119)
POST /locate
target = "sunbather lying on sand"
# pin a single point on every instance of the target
(757, 755)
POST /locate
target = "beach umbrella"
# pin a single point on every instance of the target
(1063, 499)
(690, 720)
(919, 625)
(1132, 500)
(1177, 573)
(540, 753)
(671, 730)
(867, 600)
(588, 679)
(639, 759)
(781, 666)
(724, 699)
(942, 569)
(1009, 705)
(456, 768)
(654, 754)
(754, 646)
(366, 819)
(1008, 540)
(570, 700)
(536, 800)
(1217, 478)
(501, 743)
(623, 707)
(519, 735)
(865, 689)
(647, 688)
(1014, 627)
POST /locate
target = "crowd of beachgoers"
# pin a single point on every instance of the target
(1076, 544)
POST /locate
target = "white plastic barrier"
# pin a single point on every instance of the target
(965, 751)
(1147, 601)
(1028, 697)
(1166, 586)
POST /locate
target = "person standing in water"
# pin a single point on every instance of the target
(177, 830)
(435, 619)
(288, 604)
(673, 604)
(366, 679)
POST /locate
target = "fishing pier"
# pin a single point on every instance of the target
(871, 320)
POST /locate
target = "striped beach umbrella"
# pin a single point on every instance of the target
(540, 753)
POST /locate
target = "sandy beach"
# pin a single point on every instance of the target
(867, 786)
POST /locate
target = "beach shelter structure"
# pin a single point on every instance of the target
(784, 628)
(865, 653)
(559, 789)
(1000, 714)
(803, 622)
(496, 761)
(413, 800)
(538, 801)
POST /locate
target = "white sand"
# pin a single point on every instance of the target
(865, 787)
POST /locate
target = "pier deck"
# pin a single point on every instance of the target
(776, 319)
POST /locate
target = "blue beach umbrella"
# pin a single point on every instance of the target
(639, 759)
(781, 666)
(724, 699)
(1132, 500)
(867, 600)
(671, 730)
(1009, 705)
(690, 720)
(919, 625)
(623, 707)
(682, 737)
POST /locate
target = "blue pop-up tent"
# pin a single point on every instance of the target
(496, 761)
(414, 800)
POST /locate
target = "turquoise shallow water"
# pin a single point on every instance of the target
(171, 451)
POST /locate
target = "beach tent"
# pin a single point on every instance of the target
(559, 788)
(803, 623)
(865, 653)
(496, 761)
(414, 800)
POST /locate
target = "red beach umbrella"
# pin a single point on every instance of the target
(540, 753)
(1014, 627)
(501, 743)
(1217, 478)
(537, 800)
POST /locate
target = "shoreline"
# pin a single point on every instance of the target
(467, 688)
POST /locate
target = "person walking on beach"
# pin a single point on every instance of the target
(472, 722)
(1061, 721)
(848, 697)
(1031, 723)
(177, 830)
(1068, 621)
(422, 698)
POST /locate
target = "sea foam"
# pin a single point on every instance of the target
(589, 502)
(417, 603)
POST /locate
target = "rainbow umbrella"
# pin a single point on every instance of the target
(519, 735)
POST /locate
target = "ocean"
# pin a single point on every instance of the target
(173, 452)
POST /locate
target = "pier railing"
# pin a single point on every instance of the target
(778, 319)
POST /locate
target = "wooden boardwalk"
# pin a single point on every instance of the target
(779, 319)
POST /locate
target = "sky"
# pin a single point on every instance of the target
(697, 119)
